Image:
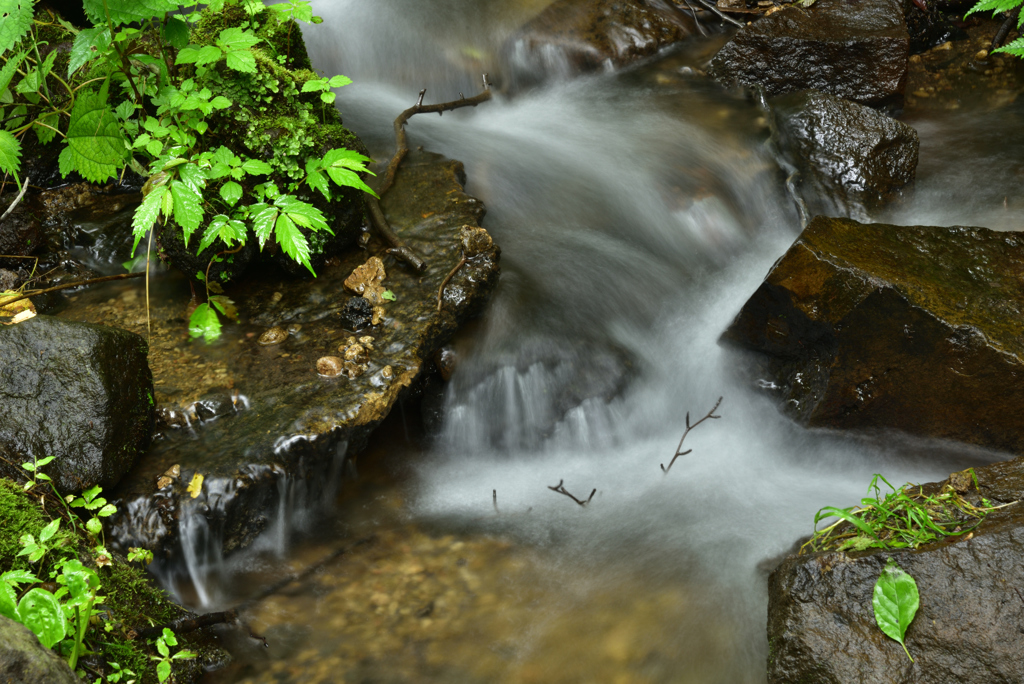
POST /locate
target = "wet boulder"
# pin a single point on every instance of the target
(821, 624)
(571, 36)
(23, 660)
(915, 328)
(80, 392)
(854, 49)
(850, 159)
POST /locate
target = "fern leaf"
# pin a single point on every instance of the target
(994, 6)
(1014, 48)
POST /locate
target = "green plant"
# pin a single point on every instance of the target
(36, 475)
(997, 6)
(904, 517)
(163, 662)
(35, 550)
(157, 93)
(895, 600)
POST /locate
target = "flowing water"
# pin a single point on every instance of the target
(636, 212)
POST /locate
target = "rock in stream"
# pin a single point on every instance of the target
(914, 328)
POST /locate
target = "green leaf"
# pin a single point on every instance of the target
(204, 323)
(188, 207)
(263, 218)
(994, 5)
(163, 670)
(220, 102)
(242, 60)
(40, 612)
(176, 32)
(9, 68)
(15, 21)
(1015, 48)
(313, 84)
(339, 81)
(8, 602)
(225, 305)
(388, 295)
(94, 526)
(231, 192)
(49, 530)
(895, 600)
(256, 167)
(94, 138)
(10, 153)
(18, 577)
(237, 38)
(303, 213)
(46, 133)
(848, 516)
(328, 98)
(107, 511)
(292, 241)
(127, 11)
(147, 213)
(316, 180)
(223, 228)
(343, 167)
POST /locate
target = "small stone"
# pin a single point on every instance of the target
(329, 366)
(276, 297)
(948, 45)
(357, 353)
(367, 342)
(353, 369)
(275, 335)
(981, 54)
(387, 373)
(915, 59)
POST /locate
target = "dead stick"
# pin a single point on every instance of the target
(714, 8)
(561, 490)
(398, 249)
(679, 451)
(444, 283)
(16, 201)
(189, 624)
(79, 283)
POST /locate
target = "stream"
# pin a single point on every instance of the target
(636, 211)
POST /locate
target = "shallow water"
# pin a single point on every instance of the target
(636, 213)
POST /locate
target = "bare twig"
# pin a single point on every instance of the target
(696, 21)
(679, 451)
(711, 6)
(16, 201)
(398, 248)
(67, 286)
(561, 490)
(494, 499)
(444, 283)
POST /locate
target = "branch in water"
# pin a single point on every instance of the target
(561, 490)
(679, 451)
(67, 286)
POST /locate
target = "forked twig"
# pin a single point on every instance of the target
(16, 200)
(398, 248)
(561, 490)
(679, 452)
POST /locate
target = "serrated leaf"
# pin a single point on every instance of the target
(125, 110)
(10, 153)
(193, 177)
(242, 60)
(237, 38)
(176, 32)
(895, 600)
(256, 167)
(263, 219)
(188, 208)
(1015, 48)
(94, 138)
(339, 81)
(147, 213)
(223, 228)
(231, 192)
(8, 70)
(46, 133)
(127, 11)
(155, 147)
(15, 21)
(225, 305)
(203, 323)
(220, 102)
(993, 5)
(302, 212)
(18, 577)
(292, 241)
(318, 181)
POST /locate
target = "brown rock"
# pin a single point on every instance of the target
(910, 327)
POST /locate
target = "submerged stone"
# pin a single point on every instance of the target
(82, 393)
(571, 36)
(854, 49)
(915, 328)
(850, 159)
(295, 428)
(821, 624)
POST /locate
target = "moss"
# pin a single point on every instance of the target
(18, 515)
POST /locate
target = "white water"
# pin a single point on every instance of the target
(631, 225)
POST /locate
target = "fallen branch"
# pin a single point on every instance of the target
(494, 499)
(398, 248)
(711, 6)
(679, 452)
(188, 624)
(78, 283)
(1004, 29)
(561, 490)
(444, 283)
(16, 201)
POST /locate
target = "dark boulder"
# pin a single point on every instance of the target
(854, 49)
(850, 159)
(821, 624)
(571, 36)
(23, 660)
(80, 392)
(909, 327)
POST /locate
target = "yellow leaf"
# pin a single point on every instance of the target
(196, 485)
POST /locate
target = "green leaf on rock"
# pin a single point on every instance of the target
(204, 323)
(895, 600)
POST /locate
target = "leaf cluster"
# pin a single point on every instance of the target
(903, 518)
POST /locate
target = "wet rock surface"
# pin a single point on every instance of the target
(853, 49)
(908, 327)
(821, 624)
(82, 393)
(850, 159)
(583, 35)
(23, 660)
(259, 422)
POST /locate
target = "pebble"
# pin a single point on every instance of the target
(275, 335)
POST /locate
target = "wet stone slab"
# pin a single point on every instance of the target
(257, 420)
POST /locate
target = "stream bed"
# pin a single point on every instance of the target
(636, 211)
